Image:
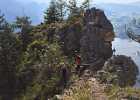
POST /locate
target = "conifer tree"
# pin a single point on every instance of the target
(24, 25)
(51, 14)
(86, 4)
(4, 26)
(73, 7)
(61, 7)
(2, 22)
(9, 57)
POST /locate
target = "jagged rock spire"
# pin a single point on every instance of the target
(97, 36)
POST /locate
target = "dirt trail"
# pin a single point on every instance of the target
(87, 86)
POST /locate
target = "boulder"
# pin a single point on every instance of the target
(119, 70)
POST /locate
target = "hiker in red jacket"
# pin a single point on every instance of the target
(78, 62)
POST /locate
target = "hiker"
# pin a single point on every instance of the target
(64, 75)
(78, 62)
(114, 51)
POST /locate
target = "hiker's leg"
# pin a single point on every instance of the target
(65, 81)
(77, 69)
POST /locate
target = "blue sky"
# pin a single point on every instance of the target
(95, 1)
(35, 8)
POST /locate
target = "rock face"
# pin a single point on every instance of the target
(70, 37)
(119, 70)
(97, 36)
(91, 37)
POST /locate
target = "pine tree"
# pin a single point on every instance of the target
(25, 27)
(73, 8)
(9, 58)
(2, 22)
(86, 4)
(52, 13)
(61, 7)
(4, 26)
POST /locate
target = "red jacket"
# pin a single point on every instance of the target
(78, 60)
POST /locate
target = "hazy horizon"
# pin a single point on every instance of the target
(35, 8)
(94, 1)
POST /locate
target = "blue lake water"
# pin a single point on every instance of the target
(129, 48)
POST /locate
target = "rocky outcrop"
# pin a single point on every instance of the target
(70, 36)
(97, 36)
(119, 70)
(91, 37)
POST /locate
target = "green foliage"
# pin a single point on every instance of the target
(32, 92)
(61, 6)
(42, 61)
(24, 25)
(22, 22)
(32, 66)
(4, 26)
(86, 4)
(115, 92)
(9, 58)
(51, 15)
(73, 8)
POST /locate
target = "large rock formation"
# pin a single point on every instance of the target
(119, 70)
(70, 37)
(97, 37)
(91, 37)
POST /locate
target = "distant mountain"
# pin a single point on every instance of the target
(118, 13)
(12, 8)
(121, 14)
(121, 8)
(136, 3)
